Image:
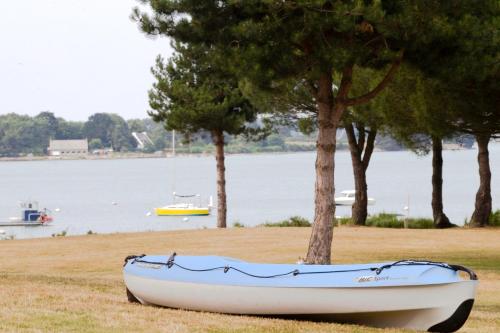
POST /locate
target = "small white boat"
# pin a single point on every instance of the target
(348, 198)
(420, 295)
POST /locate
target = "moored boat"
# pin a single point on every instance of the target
(421, 295)
(185, 208)
(349, 197)
(182, 210)
(31, 215)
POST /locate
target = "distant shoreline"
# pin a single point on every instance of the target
(122, 156)
(131, 156)
(80, 157)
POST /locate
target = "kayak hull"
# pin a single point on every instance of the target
(419, 307)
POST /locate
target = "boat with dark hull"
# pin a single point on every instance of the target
(31, 216)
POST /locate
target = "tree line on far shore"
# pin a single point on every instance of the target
(21, 135)
(420, 70)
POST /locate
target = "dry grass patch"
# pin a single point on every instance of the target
(74, 284)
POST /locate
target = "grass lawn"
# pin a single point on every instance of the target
(74, 284)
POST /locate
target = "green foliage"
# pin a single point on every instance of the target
(99, 126)
(60, 234)
(285, 139)
(17, 135)
(274, 140)
(149, 148)
(306, 125)
(111, 129)
(95, 143)
(495, 219)
(276, 40)
(21, 135)
(343, 221)
(388, 220)
(69, 130)
(294, 221)
(136, 125)
(238, 225)
(279, 50)
(195, 92)
(414, 108)
(469, 71)
(162, 139)
(47, 126)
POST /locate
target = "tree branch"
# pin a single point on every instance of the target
(351, 138)
(370, 145)
(345, 83)
(387, 79)
(312, 89)
(361, 136)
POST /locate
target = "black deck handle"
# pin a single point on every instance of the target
(472, 274)
(132, 257)
(170, 261)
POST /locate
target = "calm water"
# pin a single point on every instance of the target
(260, 188)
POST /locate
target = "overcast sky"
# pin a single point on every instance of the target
(74, 58)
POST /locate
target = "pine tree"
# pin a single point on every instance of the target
(313, 43)
(417, 111)
(194, 92)
(468, 68)
(271, 41)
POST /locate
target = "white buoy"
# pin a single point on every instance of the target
(185, 219)
(148, 214)
(57, 210)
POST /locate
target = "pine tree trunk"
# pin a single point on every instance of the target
(319, 251)
(218, 138)
(360, 164)
(482, 211)
(360, 206)
(440, 218)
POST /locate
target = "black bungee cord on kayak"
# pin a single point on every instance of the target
(405, 262)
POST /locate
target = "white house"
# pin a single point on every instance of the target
(142, 139)
(68, 147)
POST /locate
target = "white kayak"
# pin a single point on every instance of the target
(420, 295)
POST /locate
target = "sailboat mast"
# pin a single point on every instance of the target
(173, 164)
(173, 142)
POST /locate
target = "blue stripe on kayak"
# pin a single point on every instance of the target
(392, 277)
